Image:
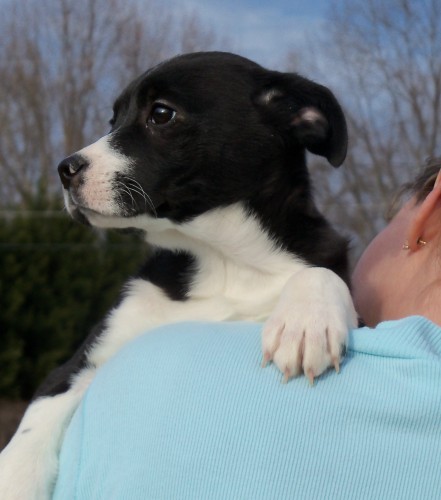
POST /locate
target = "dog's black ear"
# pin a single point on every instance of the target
(310, 112)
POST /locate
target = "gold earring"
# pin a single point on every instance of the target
(420, 243)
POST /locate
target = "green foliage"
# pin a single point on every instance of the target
(57, 279)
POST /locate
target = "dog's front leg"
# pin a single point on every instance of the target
(29, 464)
(308, 329)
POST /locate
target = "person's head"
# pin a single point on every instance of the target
(399, 274)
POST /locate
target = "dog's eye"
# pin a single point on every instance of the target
(161, 114)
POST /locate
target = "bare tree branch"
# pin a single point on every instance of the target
(387, 60)
(61, 65)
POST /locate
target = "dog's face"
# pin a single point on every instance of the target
(201, 131)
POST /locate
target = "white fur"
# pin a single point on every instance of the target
(97, 191)
(29, 464)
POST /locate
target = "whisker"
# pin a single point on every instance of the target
(121, 189)
(128, 185)
(136, 187)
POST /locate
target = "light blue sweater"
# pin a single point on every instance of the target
(186, 412)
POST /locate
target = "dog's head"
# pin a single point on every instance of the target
(198, 132)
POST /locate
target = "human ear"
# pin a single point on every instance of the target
(423, 227)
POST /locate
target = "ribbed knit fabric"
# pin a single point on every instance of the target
(186, 412)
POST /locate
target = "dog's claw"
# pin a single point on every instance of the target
(336, 363)
(310, 376)
(266, 359)
(286, 376)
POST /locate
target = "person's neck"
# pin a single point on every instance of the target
(422, 294)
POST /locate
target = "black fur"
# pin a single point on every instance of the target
(226, 144)
(58, 381)
(171, 271)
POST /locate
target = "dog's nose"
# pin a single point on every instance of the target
(70, 167)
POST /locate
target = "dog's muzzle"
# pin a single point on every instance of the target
(72, 174)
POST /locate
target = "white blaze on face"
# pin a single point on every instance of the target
(100, 189)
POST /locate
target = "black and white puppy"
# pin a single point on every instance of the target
(206, 155)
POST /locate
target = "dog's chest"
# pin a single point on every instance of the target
(240, 291)
(227, 293)
(240, 277)
(238, 268)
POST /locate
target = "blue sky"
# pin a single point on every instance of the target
(263, 30)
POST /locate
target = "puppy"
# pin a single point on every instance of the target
(206, 155)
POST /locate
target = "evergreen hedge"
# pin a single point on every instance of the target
(57, 279)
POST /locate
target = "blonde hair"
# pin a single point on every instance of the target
(425, 180)
(420, 187)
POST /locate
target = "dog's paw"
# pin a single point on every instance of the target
(307, 331)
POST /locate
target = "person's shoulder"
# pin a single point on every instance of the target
(411, 337)
(187, 345)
